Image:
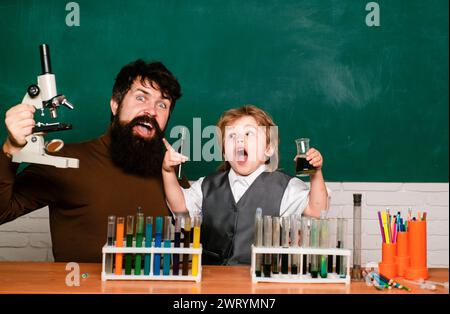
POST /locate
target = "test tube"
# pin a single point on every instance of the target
(130, 233)
(267, 243)
(258, 240)
(196, 244)
(176, 243)
(167, 244)
(139, 236)
(158, 240)
(331, 240)
(356, 270)
(148, 242)
(119, 243)
(285, 226)
(314, 243)
(275, 244)
(294, 243)
(183, 136)
(186, 243)
(340, 244)
(111, 233)
(306, 235)
(324, 243)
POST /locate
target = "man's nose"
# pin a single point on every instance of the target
(151, 110)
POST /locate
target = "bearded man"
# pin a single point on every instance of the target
(118, 172)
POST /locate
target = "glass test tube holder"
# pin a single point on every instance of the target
(152, 250)
(300, 278)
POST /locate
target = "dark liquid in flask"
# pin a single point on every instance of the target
(303, 167)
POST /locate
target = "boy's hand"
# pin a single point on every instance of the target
(172, 158)
(314, 157)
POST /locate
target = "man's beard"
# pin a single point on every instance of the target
(133, 153)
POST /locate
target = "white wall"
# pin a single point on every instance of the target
(28, 238)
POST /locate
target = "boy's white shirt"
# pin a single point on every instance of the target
(294, 201)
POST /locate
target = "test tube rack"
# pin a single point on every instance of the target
(301, 278)
(152, 251)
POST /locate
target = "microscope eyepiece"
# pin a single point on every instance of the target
(45, 59)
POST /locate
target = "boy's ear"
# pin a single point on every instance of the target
(270, 150)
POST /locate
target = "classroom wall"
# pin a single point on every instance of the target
(28, 238)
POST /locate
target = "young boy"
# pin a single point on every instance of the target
(228, 198)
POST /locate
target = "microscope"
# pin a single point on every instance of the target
(43, 96)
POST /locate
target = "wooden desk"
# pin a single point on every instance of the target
(44, 278)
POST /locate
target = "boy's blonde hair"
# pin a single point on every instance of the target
(262, 119)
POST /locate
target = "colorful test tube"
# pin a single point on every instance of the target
(176, 243)
(139, 236)
(285, 243)
(119, 243)
(275, 243)
(294, 243)
(148, 243)
(196, 244)
(111, 233)
(267, 243)
(158, 239)
(258, 240)
(167, 244)
(129, 233)
(186, 244)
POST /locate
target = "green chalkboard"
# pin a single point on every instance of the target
(374, 100)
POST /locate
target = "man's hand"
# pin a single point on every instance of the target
(19, 121)
(172, 158)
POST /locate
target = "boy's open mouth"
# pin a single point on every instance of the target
(241, 155)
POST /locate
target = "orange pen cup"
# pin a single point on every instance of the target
(402, 259)
(417, 246)
(388, 266)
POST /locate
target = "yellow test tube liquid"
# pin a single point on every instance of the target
(196, 244)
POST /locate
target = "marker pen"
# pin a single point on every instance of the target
(139, 236)
(119, 243)
(111, 233)
(196, 244)
(158, 239)
(186, 243)
(130, 233)
(148, 242)
(167, 244)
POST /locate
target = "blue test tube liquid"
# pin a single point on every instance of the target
(167, 244)
(148, 243)
(158, 239)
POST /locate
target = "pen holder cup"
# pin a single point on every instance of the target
(417, 247)
(402, 258)
(388, 266)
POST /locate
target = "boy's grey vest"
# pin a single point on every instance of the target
(228, 227)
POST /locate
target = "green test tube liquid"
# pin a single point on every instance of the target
(139, 236)
(129, 234)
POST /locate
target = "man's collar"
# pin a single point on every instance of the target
(248, 180)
